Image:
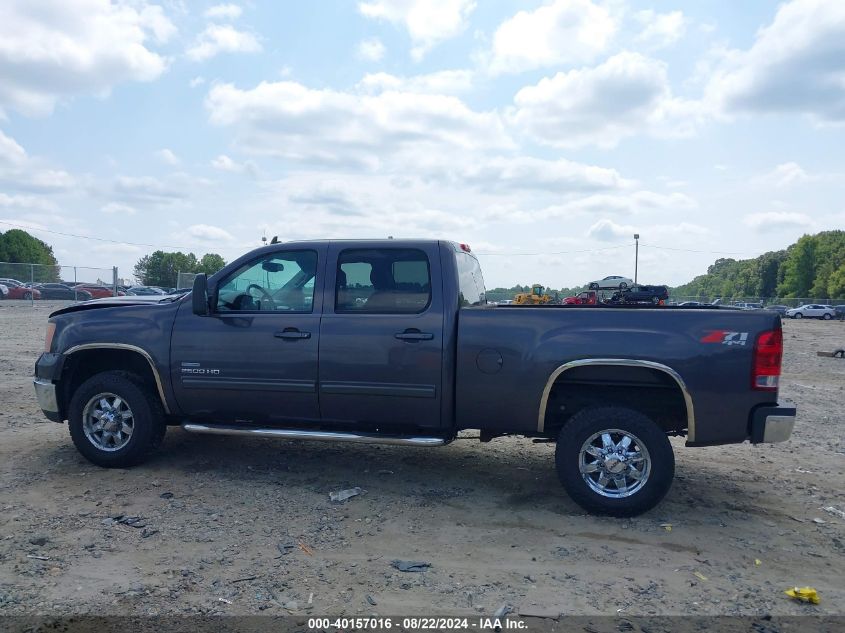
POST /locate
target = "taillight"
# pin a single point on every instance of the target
(768, 353)
(48, 340)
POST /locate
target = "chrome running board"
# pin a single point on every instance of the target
(320, 436)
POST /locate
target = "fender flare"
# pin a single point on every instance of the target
(128, 348)
(619, 362)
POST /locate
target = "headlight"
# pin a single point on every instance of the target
(48, 340)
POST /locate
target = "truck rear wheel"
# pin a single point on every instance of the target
(614, 461)
(115, 420)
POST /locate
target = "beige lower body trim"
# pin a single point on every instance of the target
(619, 362)
(129, 348)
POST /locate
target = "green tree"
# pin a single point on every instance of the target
(800, 268)
(210, 263)
(19, 247)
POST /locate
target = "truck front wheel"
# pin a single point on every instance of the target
(614, 461)
(115, 420)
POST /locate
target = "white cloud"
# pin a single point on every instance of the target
(224, 163)
(794, 66)
(168, 157)
(627, 94)
(524, 172)
(224, 12)
(448, 82)
(58, 49)
(785, 175)
(428, 21)
(661, 29)
(117, 208)
(24, 202)
(146, 190)
(775, 220)
(196, 81)
(371, 49)
(326, 126)
(207, 232)
(222, 38)
(20, 171)
(608, 231)
(561, 33)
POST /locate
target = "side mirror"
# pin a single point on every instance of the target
(199, 295)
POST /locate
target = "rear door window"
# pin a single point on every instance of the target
(383, 281)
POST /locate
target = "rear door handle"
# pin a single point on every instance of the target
(414, 336)
(292, 333)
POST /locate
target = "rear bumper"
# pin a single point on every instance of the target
(772, 423)
(45, 393)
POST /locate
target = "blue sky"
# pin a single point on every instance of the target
(544, 134)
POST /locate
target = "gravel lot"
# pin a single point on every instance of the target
(243, 526)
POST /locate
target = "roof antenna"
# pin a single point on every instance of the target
(390, 237)
(264, 237)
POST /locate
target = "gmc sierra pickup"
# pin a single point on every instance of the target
(392, 341)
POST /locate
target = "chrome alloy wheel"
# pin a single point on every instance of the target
(614, 463)
(108, 422)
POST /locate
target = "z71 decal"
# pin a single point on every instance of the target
(726, 337)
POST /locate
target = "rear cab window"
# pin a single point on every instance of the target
(470, 281)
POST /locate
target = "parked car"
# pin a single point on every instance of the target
(62, 291)
(691, 303)
(588, 297)
(840, 312)
(17, 290)
(778, 308)
(97, 291)
(611, 282)
(812, 311)
(145, 290)
(641, 294)
(4, 291)
(420, 359)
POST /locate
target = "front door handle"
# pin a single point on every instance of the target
(292, 333)
(414, 335)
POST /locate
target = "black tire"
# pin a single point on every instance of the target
(649, 435)
(798, 315)
(623, 285)
(827, 317)
(147, 419)
(840, 353)
(27, 295)
(593, 286)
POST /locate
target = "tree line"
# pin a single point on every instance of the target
(813, 267)
(162, 269)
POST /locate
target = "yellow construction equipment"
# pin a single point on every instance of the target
(536, 297)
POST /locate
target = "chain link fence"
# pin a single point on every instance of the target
(39, 282)
(789, 302)
(185, 280)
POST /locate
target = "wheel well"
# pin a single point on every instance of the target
(81, 365)
(650, 391)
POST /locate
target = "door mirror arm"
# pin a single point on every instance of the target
(199, 295)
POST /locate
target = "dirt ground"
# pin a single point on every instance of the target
(244, 526)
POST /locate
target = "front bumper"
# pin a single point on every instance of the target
(45, 393)
(773, 423)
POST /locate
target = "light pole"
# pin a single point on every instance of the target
(636, 255)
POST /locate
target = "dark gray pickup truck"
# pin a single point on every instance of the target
(391, 341)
